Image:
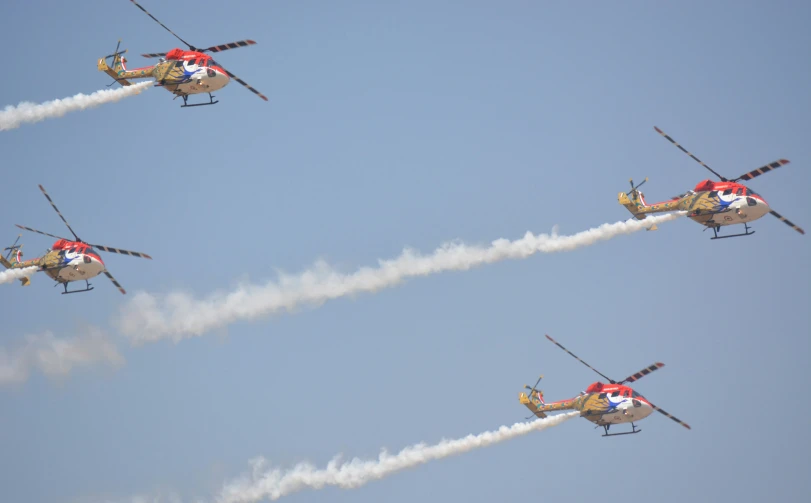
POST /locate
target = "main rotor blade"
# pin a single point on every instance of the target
(115, 282)
(230, 45)
(642, 373)
(581, 361)
(39, 232)
(59, 212)
(763, 169)
(670, 416)
(778, 215)
(122, 252)
(240, 81)
(153, 55)
(688, 153)
(164, 26)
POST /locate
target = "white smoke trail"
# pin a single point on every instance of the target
(12, 117)
(10, 275)
(158, 497)
(274, 484)
(149, 318)
(56, 357)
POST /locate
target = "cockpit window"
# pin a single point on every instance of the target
(728, 192)
(86, 259)
(616, 393)
(602, 395)
(739, 192)
(751, 192)
(625, 393)
(636, 395)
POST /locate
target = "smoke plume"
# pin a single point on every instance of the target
(10, 275)
(149, 318)
(56, 357)
(274, 484)
(12, 117)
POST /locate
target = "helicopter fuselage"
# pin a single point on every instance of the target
(181, 72)
(602, 404)
(67, 261)
(605, 404)
(714, 204)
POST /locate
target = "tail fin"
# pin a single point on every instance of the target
(118, 63)
(633, 204)
(533, 403)
(636, 204)
(15, 259)
(118, 66)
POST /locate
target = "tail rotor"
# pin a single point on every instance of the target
(116, 52)
(13, 247)
(534, 389)
(634, 190)
(10, 265)
(104, 67)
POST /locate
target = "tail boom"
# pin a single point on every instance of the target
(531, 404)
(640, 210)
(103, 67)
(540, 409)
(120, 73)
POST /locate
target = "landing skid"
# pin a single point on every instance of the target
(745, 233)
(635, 430)
(76, 291)
(186, 104)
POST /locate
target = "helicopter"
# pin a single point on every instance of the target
(604, 404)
(67, 260)
(712, 204)
(180, 72)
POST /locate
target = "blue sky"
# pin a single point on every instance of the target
(394, 124)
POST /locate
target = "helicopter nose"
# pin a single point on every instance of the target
(217, 79)
(758, 205)
(93, 263)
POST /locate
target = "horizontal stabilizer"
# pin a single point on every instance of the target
(523, 398)
(630, 206)
(103, 67)
(8, 265)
